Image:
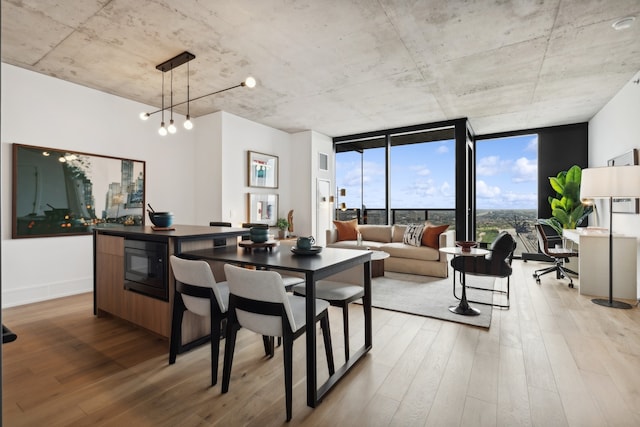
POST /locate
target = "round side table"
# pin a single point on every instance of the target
(463, 307)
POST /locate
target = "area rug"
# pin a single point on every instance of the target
(431, 297)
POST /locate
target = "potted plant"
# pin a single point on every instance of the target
(566, 208)
(282, 225)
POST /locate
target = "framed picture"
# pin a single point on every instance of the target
(57, 192)
(263, 170)
(625, 205)
(263, 208)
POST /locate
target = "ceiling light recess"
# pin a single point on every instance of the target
(169, 65)
(623, 23)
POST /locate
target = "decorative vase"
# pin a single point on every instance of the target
(282, 234)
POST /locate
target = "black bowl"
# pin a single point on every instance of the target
(161, 219)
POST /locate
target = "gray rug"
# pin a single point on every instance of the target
(431, 296)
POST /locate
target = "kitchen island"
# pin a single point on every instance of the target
(133, 278)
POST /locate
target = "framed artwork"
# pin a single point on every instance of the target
(57, 192)
(625, 205)
(263, 208)
(263, 170)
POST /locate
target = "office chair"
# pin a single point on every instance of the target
(552, 245)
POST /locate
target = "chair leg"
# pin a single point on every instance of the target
(328, 347)
(287, 351)
(176, 328)
(229, 347)
(345, 328)
(215, 347)
(268, 342)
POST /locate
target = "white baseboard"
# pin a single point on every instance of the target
(46, 291)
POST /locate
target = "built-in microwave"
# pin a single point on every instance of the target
(146, 268)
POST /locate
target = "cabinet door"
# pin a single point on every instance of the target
(110, 274)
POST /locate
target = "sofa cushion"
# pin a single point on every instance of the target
(431, 235)
(376, 233)
(400, 250)
(347, 230)
(413, 235)
(353, 244)
(398, 233)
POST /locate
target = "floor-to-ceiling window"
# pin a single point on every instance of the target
(507, 189)
(399, 176)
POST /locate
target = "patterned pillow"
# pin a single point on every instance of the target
(413, 235)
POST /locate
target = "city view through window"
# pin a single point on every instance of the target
(422, 186)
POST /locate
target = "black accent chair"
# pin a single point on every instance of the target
(553, 245)
(496, 264)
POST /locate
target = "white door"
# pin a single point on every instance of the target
(324, 216)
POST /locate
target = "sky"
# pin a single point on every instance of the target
(423, 175)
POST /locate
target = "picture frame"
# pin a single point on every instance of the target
(59, 192)
(263, 170)
(262, 208)
(631, 206)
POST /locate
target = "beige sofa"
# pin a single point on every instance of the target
(403, 258)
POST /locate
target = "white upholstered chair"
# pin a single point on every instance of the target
(198, 292)
(258, 302)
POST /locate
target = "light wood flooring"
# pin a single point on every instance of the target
(553, 359)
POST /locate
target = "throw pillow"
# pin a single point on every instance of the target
(413, 235)
(431, 236)
(347, 230)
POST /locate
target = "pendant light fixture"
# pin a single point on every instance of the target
(162, 131)
(172, 127)
(169, 65)
(187, 123)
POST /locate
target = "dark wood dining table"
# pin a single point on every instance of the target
(314, 267)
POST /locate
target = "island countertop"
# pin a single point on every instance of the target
(180, 231)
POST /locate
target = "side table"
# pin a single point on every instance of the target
(463, 307)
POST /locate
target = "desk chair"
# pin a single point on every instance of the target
(496, 264)
(553, 245)
(258, 302)
(198, 292)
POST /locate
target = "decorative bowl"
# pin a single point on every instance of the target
(466, 246)
(258, 235)
(161, 219)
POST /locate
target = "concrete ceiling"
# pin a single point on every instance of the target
(341, 67)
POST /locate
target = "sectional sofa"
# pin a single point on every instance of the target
(404, 258)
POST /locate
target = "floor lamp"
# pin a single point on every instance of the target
(612, 182)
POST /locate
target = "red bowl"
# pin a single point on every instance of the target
(466, 246)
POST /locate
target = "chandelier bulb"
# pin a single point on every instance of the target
(144, 116)
(250, 82)
(172, 127)
(163, 130)
(188, 124)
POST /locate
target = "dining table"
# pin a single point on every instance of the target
(317, 266)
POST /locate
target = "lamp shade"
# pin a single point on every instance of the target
(611, 181)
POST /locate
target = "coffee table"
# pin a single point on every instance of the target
(377, 262)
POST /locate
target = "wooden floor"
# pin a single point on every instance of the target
(553, 359)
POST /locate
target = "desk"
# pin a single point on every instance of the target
(593, 263)
(463, 307)
(315, 267)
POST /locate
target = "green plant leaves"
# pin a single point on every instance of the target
(566, 208)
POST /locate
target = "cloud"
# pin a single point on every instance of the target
(525, 170)
(443, 149)
(489, 166)
(533, 145)
(484, 190)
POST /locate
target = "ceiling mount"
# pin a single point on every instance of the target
(176, 61)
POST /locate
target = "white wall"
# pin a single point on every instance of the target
(43, 111)
(614, 131)
(200, 175)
